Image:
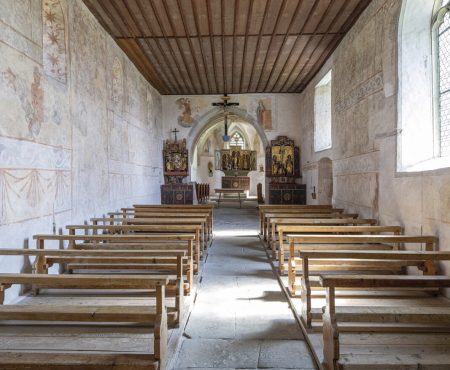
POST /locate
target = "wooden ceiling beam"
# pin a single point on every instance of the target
(217, 46)
(183, 58)
(213, 49)
(312, 10)
(161, 51)
(293, 86)
(333, 45)
(171, 51)
(258, 43)
(191, 48)
(285, 37)
(197, 30)
(150, 66)
(236, 7)
(280, 12)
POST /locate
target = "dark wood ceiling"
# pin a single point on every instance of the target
(234, 46)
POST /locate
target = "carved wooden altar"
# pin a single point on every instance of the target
(175, 158)
(237, 159)
(175, 155)
(283, 168)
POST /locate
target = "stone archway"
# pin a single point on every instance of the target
(325, 181)
(210, 121)
(215, 115)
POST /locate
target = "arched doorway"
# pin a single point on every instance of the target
(325, 182)
(205, 141)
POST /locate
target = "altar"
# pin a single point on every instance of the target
(236, 182)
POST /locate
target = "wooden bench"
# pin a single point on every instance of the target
(263, 209)
(173, 263)
(330, 242)
(167, 213)
(167, 229)
(322, 227)
(155, 220)
(320, 261)
(155, 316)
(133, 244)
(185, 208)
(332, 318)
(267, 207)
(302, 215)
(277, 222)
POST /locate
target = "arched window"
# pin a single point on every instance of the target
(441, 51)
(423, 105)
(237, 140)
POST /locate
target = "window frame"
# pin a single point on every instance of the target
(437, 20)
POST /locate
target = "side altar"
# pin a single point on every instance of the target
(283, 168)
(175, 160)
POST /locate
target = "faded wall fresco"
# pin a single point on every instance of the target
(364, 123)
(79, 135)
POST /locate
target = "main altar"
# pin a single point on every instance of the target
(236, 163)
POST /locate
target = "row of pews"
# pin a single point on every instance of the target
(149, 252)
(367, 295)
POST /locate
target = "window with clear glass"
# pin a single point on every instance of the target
(237, 140)
(322, 114)
(442, 34)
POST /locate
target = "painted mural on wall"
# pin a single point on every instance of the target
(188, 110)
(260, 108)
(263, 112)
(54, 40)
(117, 85)
(30, 96)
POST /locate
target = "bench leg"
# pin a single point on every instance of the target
(330, 332)
(291, 272)
(306, 293)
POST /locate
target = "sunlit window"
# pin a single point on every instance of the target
(442, 65)
(237, 140)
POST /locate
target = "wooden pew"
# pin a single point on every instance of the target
(299, 215)
(268, 208)
(155, 220)
(330, 242)
(174, 263)
(315, 262)
(148, 230)
(277, 223)
(150, 315)
(133, 243)
(332, 318)
(323, 226)
(263, 207)
(203, 210)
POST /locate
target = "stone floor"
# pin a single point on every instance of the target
(241, 319)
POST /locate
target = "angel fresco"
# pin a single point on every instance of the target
(185, 119)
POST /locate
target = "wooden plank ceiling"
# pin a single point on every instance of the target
(233, 46)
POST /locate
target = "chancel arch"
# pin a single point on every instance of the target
(207, 148)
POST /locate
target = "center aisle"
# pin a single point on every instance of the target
(241, 318)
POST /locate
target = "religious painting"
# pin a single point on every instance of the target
(282, 158)
(186, 118)
(236, 159)
(264, 113)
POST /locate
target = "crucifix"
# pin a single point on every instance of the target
(175, 131)
(225, 104)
